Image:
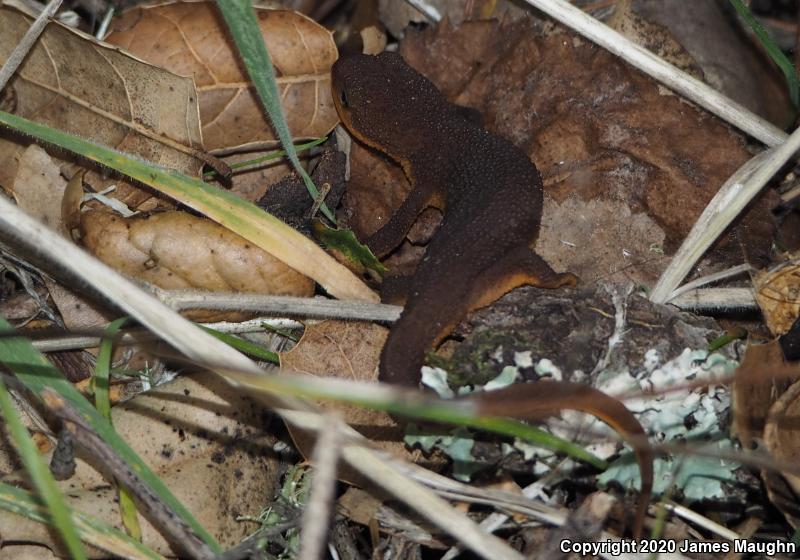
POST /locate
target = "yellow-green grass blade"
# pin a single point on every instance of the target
(240, 216)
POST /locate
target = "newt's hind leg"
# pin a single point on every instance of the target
(518, 268)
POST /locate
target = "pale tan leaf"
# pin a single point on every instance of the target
(190, 39)
(176, 250)
(74, 83)
(38, 187)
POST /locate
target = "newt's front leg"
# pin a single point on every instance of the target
(425, 192)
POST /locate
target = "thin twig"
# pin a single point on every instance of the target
(704, 522)
(135, 336)
(26, 43)
(318, 307)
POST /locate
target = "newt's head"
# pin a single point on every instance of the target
(384, 102)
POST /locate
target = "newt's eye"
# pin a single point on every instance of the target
(343, 99)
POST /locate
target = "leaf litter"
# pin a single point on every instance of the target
(613, 170)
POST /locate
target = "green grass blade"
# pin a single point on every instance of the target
(772, 49)
(102, 370)
(38, 374)
(102, 400)
(128, 513)
(419, 407)
(245, 346)
(91, 530)
(40, 476)
(242, 24)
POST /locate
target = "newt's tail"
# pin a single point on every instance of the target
(536, 401)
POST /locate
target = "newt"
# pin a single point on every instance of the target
(491, 196)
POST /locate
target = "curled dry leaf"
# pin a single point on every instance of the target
(349, 350)
(778, 295)
(782, 440)
(754, 391)
(76, 84)
(190, 39)
(177, 250)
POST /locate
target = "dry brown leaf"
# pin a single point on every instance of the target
(344, 349)
(358, 505)
(348, 350)
(72, 82)
(754, 390)
(782, 440)
(777, 292)
(176, 250)
(189, 38)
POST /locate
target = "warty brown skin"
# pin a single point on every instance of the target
(491, 196)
